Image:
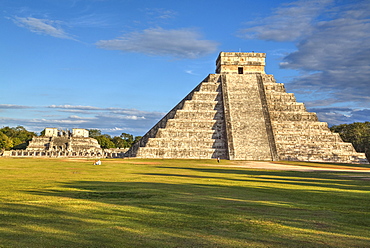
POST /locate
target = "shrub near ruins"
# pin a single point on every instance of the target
(18, 138)
(125, 140)
(15, 137)
(358, 133)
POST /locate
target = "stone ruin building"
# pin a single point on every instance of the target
(60, 143)
(241, 113)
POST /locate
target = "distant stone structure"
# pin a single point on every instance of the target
(241, 113)
(60, 143)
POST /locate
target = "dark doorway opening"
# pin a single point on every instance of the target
(240, 70)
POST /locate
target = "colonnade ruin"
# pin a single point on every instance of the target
(61, 143)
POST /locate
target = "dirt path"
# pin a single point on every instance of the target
(273, 166)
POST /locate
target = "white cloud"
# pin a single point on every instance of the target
(160, 13)
(12, 106)
(288, 23)
(76, 117)
(92, 20)
(191, 72)
(42, 26)
(336, 116)
(90, 109)
(134, 121)
(72, 107)
(333, 47)
(180, 43)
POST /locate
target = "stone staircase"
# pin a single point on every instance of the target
(193, 129)
(248, 135)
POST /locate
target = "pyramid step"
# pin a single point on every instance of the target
(307, 137)
(198, 114)
(314, 152)
(280, 97)
(287, 106)
(267, 78)
(278, 87)
(207, 96)
(195, 124)
(194, 134)
(300, 132)
(185, 143)
(318, 147)
(202, 105)
(210, 87)
(192, 153)
(212, 78)
(292, 116)
(306, 125)
(331, 157)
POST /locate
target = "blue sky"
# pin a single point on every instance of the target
(120, 65)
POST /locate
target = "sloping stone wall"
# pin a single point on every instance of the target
(193, 129)
(243, 114)
(298, 134)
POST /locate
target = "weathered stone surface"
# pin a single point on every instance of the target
(247, 135)
(59, 143)
(193, 129)
(242, 113)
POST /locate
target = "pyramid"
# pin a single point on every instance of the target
(241, 113)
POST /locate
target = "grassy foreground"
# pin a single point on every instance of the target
(178, 203)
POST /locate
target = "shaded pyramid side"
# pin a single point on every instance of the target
(298, 134)
(194, 128)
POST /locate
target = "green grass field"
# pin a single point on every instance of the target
(178, 203)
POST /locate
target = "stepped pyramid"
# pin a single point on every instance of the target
(241, 113)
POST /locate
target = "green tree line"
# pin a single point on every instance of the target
(14, 138)
(125, 140)
(357, 133)
(18, 138)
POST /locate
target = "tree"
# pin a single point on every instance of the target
(105, 141)
(5, 142)
(93, 133)
(19, 136)
(119, 142)
(137, 138)
(357, 133)
(16, 141)
(129, 139)
(42, 133)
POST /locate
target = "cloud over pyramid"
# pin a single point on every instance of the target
(241, 113)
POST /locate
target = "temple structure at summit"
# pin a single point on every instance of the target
(241, 113)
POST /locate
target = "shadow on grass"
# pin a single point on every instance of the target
(197, 207)
(329, 180)
(26, 225)
(323, 164)
(207, 215)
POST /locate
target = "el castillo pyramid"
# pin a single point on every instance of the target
(241, 113)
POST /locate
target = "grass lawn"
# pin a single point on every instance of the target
(178, 203)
